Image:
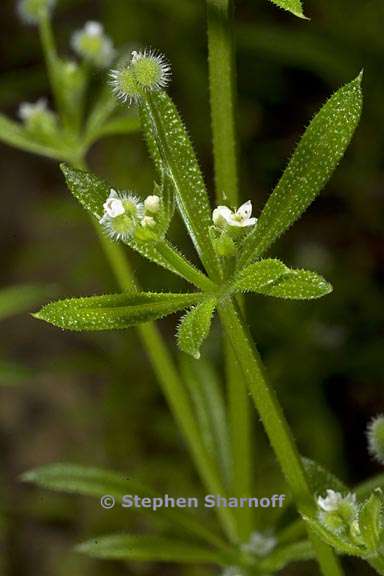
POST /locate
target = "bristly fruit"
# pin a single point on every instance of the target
(375, 434)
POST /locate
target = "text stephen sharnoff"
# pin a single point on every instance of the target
(209, 501)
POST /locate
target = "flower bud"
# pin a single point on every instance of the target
(37, 118)
(375, 434)
(148, 222)
(92, 44)
(152, 204)
(31, 11)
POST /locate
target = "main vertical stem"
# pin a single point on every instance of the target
(223, 98)
(276, 426)
(223, 112)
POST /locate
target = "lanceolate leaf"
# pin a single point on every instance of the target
(87, 188)
(194, 327)
(208, 398)
(310, 168)
(273, 278)
(298, 285)
(293, 6)
(284, 555)
(170, 145)
(256, 276)
(149, 549)
(95, 482)
(321, 480)
(114, 311)
(13, 134)
(370, 520)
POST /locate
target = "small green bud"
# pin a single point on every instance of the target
(152, 204)
(375, 434)
(224, 246)
(31, 11)
(92, 44)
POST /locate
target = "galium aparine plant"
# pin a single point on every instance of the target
(231, 242)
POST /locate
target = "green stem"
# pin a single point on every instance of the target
(185, 268)
(223, 111)
(223, 99)
(276, 426)
(51, 59)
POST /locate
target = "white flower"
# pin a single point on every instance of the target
(148, 222)
(31, 11)
(92, 44)
(28, 109)
(333, 501)
(260, 544)
(93, 28)
(223, 216)
(113, 206)
(122, 215)
(152, 204)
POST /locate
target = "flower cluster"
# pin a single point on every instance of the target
(338, 513)
(31, 11)
(147, 71)
(92, 44)
(260, 544)
(126, 217)
(37, 117)
(229, 225)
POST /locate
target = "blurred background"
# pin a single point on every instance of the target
(92, 398)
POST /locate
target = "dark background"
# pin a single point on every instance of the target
(93, 399)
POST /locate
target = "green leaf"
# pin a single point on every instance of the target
(298, 285)
(95, 482)
(284, 555)
(370, 520)
(15, 135)
(316, 157)
(194, 327)
(114, 311)
(18, 299)
(321, 480)
(171, 148)
(87, 188)
(338, 542)
(147, 549)
(84, 480)
(207, 397)
(293, 6)
(257, 276)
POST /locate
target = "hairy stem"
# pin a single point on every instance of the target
(223, 111)
(276, 426)
(223, 98)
